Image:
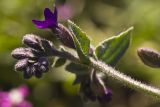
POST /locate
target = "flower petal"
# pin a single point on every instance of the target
(48, 13)
(50, 19)
(49, 16)
(40, 24)
(55, 15)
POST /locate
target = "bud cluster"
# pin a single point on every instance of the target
(33, 60)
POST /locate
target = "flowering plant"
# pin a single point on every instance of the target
(89, 64)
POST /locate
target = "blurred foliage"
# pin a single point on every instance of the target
(100, 19)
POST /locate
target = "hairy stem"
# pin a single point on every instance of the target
(114, 74)
(126, 80)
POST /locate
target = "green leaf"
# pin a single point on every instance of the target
(80, 71)
(112, 49)
(81, 42)
(79, 79)
(60, 62)
(51, 61)
(77, 69)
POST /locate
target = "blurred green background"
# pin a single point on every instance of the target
(100, 19)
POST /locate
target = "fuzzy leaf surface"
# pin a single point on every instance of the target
(111, 50)
(81, 42)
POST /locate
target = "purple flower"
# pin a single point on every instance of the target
(15, 97)
(50, 20)
(61, 32)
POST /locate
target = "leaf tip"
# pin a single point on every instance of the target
(127, 32)
(131, 28)
(69, 21)
(71, 25)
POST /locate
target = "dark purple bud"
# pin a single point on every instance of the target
(47, 46)
(43, 64)
(28, 72)
(38, 74)
(22, 53)
(106, 96)
(32, 41)
(37, 43)
(50, 20)
(149, 57)
(43, 61)
(43, 69)
(21, 65)
(64, 35)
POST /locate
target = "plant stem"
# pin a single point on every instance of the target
(114, 74)
(126, 80)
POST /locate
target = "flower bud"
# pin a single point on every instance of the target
(38, 74)
(64, 36)
(43, 64)
(105, 96)
(43, 69)
(22, 53)
(21, 65)
(149, 57)
(47, 46)
(43, 61)
(28, 72)
(32, 41)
